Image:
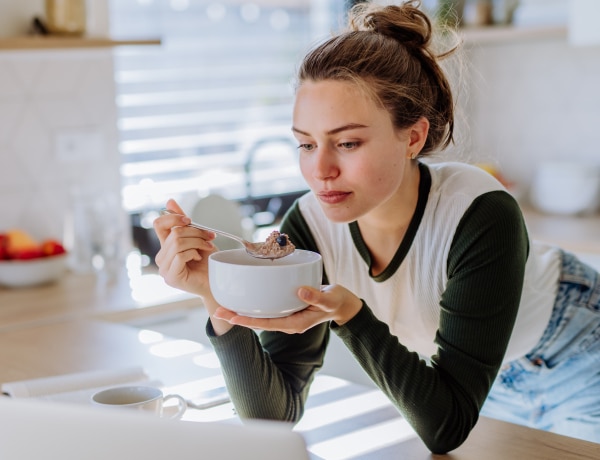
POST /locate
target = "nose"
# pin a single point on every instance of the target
(324, 165)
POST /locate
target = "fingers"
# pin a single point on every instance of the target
(183, 242)
(309, 295)
(330, 303)
(180, 245)
(173, 206)
(175, 269)
(224, 314)
(164, 224)
(263, 324)
(294, 324)
(325, 298)
(337, 302)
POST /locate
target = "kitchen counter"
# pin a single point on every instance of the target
(66, 327)
(134, 295)
(129, 296)
(342, 419)
(579, 234)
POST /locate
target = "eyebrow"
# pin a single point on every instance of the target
(347, 127)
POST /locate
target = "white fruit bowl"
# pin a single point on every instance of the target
(32, 272)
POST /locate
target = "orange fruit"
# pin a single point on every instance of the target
(19, 239)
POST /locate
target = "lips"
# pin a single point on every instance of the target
(333, 197)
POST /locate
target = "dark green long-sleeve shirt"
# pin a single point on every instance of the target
(269, 375)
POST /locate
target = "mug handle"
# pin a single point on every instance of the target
(181, 404)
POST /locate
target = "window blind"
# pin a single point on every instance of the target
(209, 111)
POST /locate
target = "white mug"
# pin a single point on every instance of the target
(138, 397)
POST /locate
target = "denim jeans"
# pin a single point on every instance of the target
(556, 386)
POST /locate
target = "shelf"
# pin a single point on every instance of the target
(505, 34)
(58, 42)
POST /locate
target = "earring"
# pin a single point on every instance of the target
(414, 155)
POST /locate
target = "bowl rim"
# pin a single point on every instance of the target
(34, 259)
(262, 264)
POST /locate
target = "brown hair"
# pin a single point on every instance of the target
(388, 51)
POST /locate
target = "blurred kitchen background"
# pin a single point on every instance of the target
(107, 134)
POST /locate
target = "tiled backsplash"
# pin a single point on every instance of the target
(58, 133)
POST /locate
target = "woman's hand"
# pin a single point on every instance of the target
(183, 256)
(183, 259)
(331, 303)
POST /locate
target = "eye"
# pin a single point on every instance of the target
(351, 145)
(306, 147)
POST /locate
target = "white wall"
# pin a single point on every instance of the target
(58, 131)
(532, 101)
(16, 15)
(527, 101)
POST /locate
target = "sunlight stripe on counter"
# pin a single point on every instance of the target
(363, 441)
(178, 347)
(325, 383)
(326, 414)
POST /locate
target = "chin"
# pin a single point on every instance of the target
(339, 216)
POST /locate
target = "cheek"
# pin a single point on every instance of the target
(387, 178)
(305, 167)
(386, 171)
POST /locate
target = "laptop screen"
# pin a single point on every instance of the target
(33, 429)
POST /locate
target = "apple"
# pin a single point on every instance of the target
(3, 246)
(52, 247)
(27, 253)
(17, 244)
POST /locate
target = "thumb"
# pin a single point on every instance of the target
(308, 294)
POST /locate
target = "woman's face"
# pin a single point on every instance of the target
(351, 156)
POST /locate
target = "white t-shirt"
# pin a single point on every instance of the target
(409, 301)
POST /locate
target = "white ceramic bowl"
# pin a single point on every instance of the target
(567, 188)
(32, 272)
(262, 288)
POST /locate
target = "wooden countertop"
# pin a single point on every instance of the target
(128, 296)
(66, 347)
(576, 234)
(133, 294)
(341, 418)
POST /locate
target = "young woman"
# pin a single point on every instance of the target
(431, 280)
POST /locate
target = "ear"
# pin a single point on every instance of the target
(417, 137)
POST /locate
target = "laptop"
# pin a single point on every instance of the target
(34, 429)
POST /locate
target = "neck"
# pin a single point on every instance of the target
(383, 229)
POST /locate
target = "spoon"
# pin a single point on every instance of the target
(254, 249)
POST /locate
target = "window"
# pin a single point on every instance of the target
(209, 111)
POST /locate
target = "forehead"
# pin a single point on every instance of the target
(331, 89)
(334, 98)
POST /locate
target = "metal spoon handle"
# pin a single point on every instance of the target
(254, 249)
(220, 232)
(204, 227)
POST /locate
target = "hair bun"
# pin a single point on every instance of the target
(405, 23)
